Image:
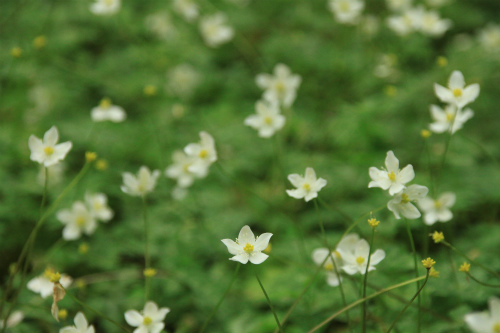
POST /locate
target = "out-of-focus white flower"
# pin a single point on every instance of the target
(392, 178)
(433, 25)
(485, 322)
(204, 153)
(319, 256)
(180, 169)
(187, 8)
(182, 80)
(281, 87)
(214, 30)
(78, 219)
(409, 21)
(399, 5)
(47, 151)
(161, 25)
(346, 11)
(179, 193)
(98, 206)
(386, 66)
(144, 183)
(247, 247)
(443, 119)
(149, 320)
(439, 209)
(307, 186)
(81, 325)
(107, 111)
(42, 285)
(268, 119)
(489, 37)
(370, 25)
(457, 93)
(15, 318)
(401, 204)
(56, 172)
(356, 261)
(105, 7)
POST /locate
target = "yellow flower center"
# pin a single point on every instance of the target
(449, 116)
(80, 221)
(105, 102)
(457, 92)
(48, 150)
(405, 198)
(280, 87)
(306, 187)
(268, 120)
(48, 273)
(185, 167)
(337, 254)
(438, 204)
(97, 205)
(203, 153)
(392, 176)
(360, 260)
(147, 320)
(329, 266)
(344, 6)
(496, 328)
(248, 248)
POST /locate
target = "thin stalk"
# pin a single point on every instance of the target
(147, 258)
(365, 280)
(268, 301)
(359, 301)
(221, 299)
(454, 249)
(410, 236)
(407, 305)
(429, 165)
(483, 283)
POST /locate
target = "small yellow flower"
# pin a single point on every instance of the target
(16, 52)
(101, 164)
(425, 133)
(373, 222)
(63, 314)
(433, 273)
(90, 156)
(437, 236)
(83, 248)
(55, 277)
(428, 263)
(149, 272)
(268, 249)
(150, 90)
(442, 61)
(40, 41)
(465, 267)
(390, 91)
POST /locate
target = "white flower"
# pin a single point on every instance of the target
(443, 119)
(47, 151)
(98, 206)
(398, 5)
(281, 87)
(77, 220)
(386, 66)
(484, 322)
(42, 285)
(105, 7)
(204, 154)
(457, 93)
(431, 24)
(356, 260)
(15, 318)
(392, 178)
(144, 183)
(161, 25)
(439, 209)
(319, 256)
(187, 8)
(247, 247)
(106, 111)
(150, 320)
(182, 80)
(179, 193)
(346, 11)
(180, 169)
(406, 23)
(268, 119)
(401, 204)
(81, 325)
(489, 37)
(214, 31)
(307, 186)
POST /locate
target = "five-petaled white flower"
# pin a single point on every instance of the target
(42, 285)
(268, 119)
(392, 178)
(443, 119)
(280, 87)
(439, 209)
(204, 153)
(356, 260)
(346, 11)
(47, 151)
(107, 111)
(78, 219)
(484, 322)
(144, 183)
(180, 169)
(401, 204)
(214, 30)
(150, 320)
(81, 325)
(105, 7)
(456, 93)
(98, 206)
(15, 318)
(247, 247)
(307, 186)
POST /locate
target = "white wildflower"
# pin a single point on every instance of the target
(47, 151)
(437, 210)
(43, 286)
(81, 325)
(356, 261)
(98, 206)
(392, 178)
(268, 119)
(401, 204)
(346, 11)
(457, 93)
(105, 7)
(77, 220)
(489, 38)
(107, 111)
(281, 87)
(247, 247)
(204, 153)
(180, 169)
(149, 320)
(187, 8)
(307, 187)
(485, 322)
(15, 318)
(144, 183)
(214, 30)
(182, 80)
(443, 119)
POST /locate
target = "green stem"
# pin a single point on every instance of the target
(469, 259)
(147, 258)
(411, 301)
(483, 283)
(268, 301)
(221, 299)
(410, 236)
(365, 280)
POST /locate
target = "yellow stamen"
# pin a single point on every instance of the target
(496, 328)
(392, 176)
(48, 150)
(405, 198)
(438, 204)
(425, 133)
(80, 221)
(268, 120)
(248, 248)
(449, 117)
(442, 61)
(16, 52)
(280, 87)
(360, 260)
(54, 278)
(457, 92)
(101, 165)
(48, 273)
(428, 263)
(105, 103)
(344, 6)
(203, 153)
(306, 187)
(329, 266)
(433, 273)
(373, 222)
(40, 41)
(337, 254)
(146, 321)
(62, 314)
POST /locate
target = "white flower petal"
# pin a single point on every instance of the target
(243, 258)
(258, 258)
(246, 236)
(456, 81)
(262, 241)
(51, 137)
(232, 247)
(391, 162)
(133, 318)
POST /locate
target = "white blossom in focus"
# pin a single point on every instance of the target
(346, 11)
(107, 111)
(437, 210)
(15, 318)
(144, 183)
(485, 322)
(98, 206)
(105, 7)
(268, 119)
(42, 285)
(187, 8)
(401, 204)
(307, 187)
(247, 247)
(392, 178)
(281, 86)
(47, 151)
(443, 119)
(77, 220)
(214, 30)
(81, 325)
(180, 169)
(457, 93)
(149, 320)
(204, 153)
(356, 261)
